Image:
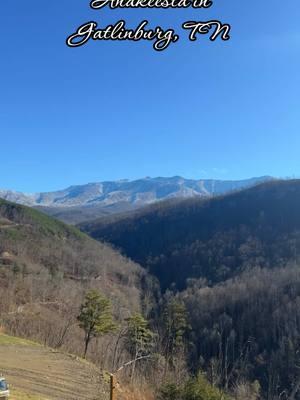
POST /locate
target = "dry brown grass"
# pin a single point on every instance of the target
(134, 393)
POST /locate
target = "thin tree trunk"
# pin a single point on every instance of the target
(133, 365)
(115, 350)
(86, 345)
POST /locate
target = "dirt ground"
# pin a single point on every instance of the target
(37, 373)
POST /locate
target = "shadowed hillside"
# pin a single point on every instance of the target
(214, 239)
(233, 261)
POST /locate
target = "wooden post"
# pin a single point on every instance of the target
(112, 376)
(112, 387)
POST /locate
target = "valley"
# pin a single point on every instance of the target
(204, 290)
(150, 233)
(215, 239)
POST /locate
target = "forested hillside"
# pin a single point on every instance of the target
(246, 331)
(46, 268)
(213, 239)
(231, 266)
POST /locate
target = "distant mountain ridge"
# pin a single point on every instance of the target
(211, 238)
(81, 203)
(138, 192)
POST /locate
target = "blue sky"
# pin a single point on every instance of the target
(112, 110)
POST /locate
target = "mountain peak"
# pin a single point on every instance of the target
(123, 195)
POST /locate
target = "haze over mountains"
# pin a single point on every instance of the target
(84, 202)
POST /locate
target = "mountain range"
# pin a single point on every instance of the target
(213, 238)
(85, 202)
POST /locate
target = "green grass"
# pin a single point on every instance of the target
(14, 233)
(46, 225)
(50, 225)
(6, 340)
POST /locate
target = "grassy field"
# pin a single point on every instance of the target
(17, 395)
(38, 373)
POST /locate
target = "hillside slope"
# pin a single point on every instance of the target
(46, 267)
(214, 239)
(37, 372)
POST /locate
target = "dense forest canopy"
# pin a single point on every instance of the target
(248, 329)
(233, 262)
(213, 239)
